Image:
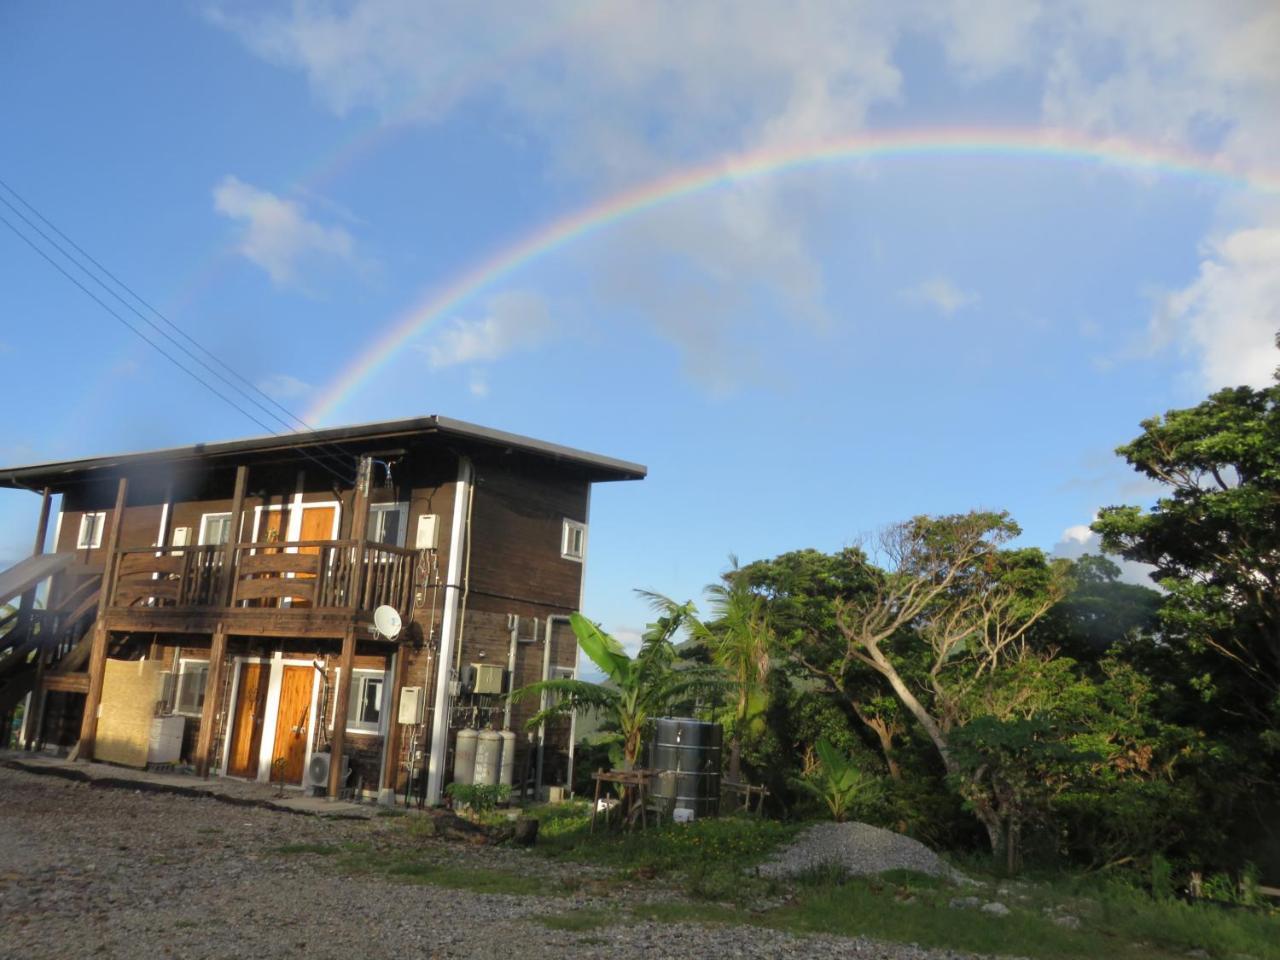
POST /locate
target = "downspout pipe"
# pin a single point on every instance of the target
(513, 625)
(449, 628)
(545, 700)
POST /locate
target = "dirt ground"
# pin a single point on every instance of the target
(105, 873)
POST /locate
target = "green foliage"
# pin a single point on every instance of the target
(838, 782)
(478, 798)
(639, 688)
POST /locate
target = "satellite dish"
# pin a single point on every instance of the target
(387, 621)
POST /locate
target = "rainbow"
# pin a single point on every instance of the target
(439, 303)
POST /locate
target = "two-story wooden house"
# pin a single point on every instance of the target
(215, 604)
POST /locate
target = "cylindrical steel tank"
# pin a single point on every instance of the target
(464, 756)
(488, 757)
(686, 754)
(507, 775)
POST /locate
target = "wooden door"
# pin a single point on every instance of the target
(273, 527)
(317, 524)
(293, 725)
(248, 715)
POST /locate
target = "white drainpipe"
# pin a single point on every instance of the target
(448, 634)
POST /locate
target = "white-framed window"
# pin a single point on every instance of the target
(193, 677)
(388, 523)
(573, 540)
(91, 527)
(215, 529)
(365, 708)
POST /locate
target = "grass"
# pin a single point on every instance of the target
(712, 862)
(296, 849)
(711, 859)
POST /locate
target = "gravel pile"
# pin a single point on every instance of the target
(112, 873)
(859, 849)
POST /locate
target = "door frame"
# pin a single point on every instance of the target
(295, 508)
(271, 709)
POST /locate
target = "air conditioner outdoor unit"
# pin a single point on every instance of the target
(318, 771)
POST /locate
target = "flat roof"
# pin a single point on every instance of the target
(55, 474)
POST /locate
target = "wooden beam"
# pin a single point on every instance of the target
(341, 703)
(26, 606)
(67, 682)
(389, 779)
(212, 692)
(98, 653)
(233, 536)
(359, 526)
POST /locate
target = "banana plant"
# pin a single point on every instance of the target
(638, 688)
(838, 782)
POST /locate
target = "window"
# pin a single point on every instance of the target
(364, 711)
(215, 528)
(387, 523)
(91, 527)
(573, 540)
(193, 677)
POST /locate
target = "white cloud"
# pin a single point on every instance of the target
(1078, 540)
(479, 387)
(940, 294)
(517, 320)
(1230, 314)
(277, 235)
(617, 92)
(283, 386)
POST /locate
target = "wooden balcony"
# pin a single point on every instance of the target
(299, 588)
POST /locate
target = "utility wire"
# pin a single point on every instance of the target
(290, 415)
(142, 333)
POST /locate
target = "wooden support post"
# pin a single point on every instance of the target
(233, 535)
(26, 608)
(212, 691)
(98, 653)
(359, 527)
(391, 746)
(341, 703)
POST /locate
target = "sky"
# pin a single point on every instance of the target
(657, 231)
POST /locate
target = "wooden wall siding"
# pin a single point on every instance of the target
(515, 540)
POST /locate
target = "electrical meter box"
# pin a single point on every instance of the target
(489, 678)
(412, 705)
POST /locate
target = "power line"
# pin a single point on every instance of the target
(140, 333)
(173, 326)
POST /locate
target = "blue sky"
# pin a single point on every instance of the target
(799, 359)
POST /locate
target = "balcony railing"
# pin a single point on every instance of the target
(308, 574)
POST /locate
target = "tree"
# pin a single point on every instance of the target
(801, 591)
(960, 607)
(638, 688)
(738, 640)
(1214, 539)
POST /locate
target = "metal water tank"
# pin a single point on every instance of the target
(686, 755)
(507, 775)
(464, 756)
(488, 757)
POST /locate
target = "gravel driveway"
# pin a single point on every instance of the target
(87, 872)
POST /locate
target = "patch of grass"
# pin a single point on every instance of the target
(714, 857)
(412, 868)
(295, 849)
(580, 920)
(1124, 924)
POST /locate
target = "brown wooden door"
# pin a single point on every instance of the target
(317, 524)
(249, 713)
(293, 725)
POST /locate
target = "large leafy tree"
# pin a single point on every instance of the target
(946, 622)
(1214, 540)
